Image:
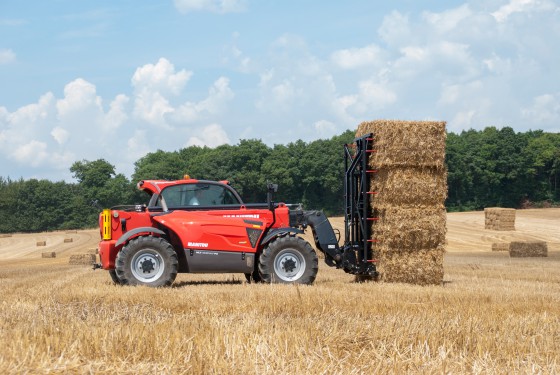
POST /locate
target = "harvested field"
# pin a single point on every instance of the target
(488, 317)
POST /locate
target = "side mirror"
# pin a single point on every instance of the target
(271, 188)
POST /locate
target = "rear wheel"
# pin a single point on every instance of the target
(148, 260)
(288, 260)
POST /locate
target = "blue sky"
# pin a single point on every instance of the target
(118, 79)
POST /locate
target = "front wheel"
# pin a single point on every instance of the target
(288, 260)
(147, 260)
(114, 277)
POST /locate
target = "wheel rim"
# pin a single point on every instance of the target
(147, 266)
(289, 265)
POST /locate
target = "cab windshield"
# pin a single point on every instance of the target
(197, 195)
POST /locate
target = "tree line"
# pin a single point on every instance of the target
(487, 167)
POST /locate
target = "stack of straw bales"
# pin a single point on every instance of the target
(82, 259)
(497, 218)
(500, 246)
(49, 254)
(521, 249)
(411, 186)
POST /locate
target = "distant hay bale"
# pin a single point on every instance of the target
(5, 235)
(71, 231)
(500, 246)
(521, 249)
(49, 254)
(497, 218)
(41, 243)
(82, 259)
(68, 240)
(410, 188)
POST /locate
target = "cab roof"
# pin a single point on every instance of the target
(156, 186)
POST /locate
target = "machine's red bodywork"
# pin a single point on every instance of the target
(205, 230)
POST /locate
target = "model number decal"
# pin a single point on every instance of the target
(197, 244)
(202, 252)
(253, 216)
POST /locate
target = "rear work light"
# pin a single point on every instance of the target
(106, 215)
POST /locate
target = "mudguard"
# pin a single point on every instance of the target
(135, 231)
(278, 232)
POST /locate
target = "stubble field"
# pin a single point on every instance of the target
(494, 314)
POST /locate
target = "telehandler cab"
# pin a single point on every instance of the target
(199, 226)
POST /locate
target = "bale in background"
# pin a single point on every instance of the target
(521, 249)
(497, 218)
(82, 259)
(410, 186)
(500, 246)
(68, 240)
(5, 235)
(50, 254)
(41, 243)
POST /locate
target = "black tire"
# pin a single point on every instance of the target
(147, 260)
(254, 277)
(288, 260)
(114, 277)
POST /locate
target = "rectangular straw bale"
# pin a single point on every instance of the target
(500, 246)
(406, 143)
(498, 218)
(68, 240)
(424, 186)
(49, 254)
(4, 235)
(411, 188)
(521, 249)
(424, 267)
(409, 228)
(41, 243)
(82, 259)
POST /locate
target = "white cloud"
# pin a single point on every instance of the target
(60, 135)
(449, 19)
(33, 153)
(153, 84)
(219, 95)
(137, 145)
(216, 6)
(212, 135)
(160, 77)
(79, 96)
(325, 128)
(7, 56)
(521, 6)
(395, 29)
(544, 110)
(353, 58)
(117, 114)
